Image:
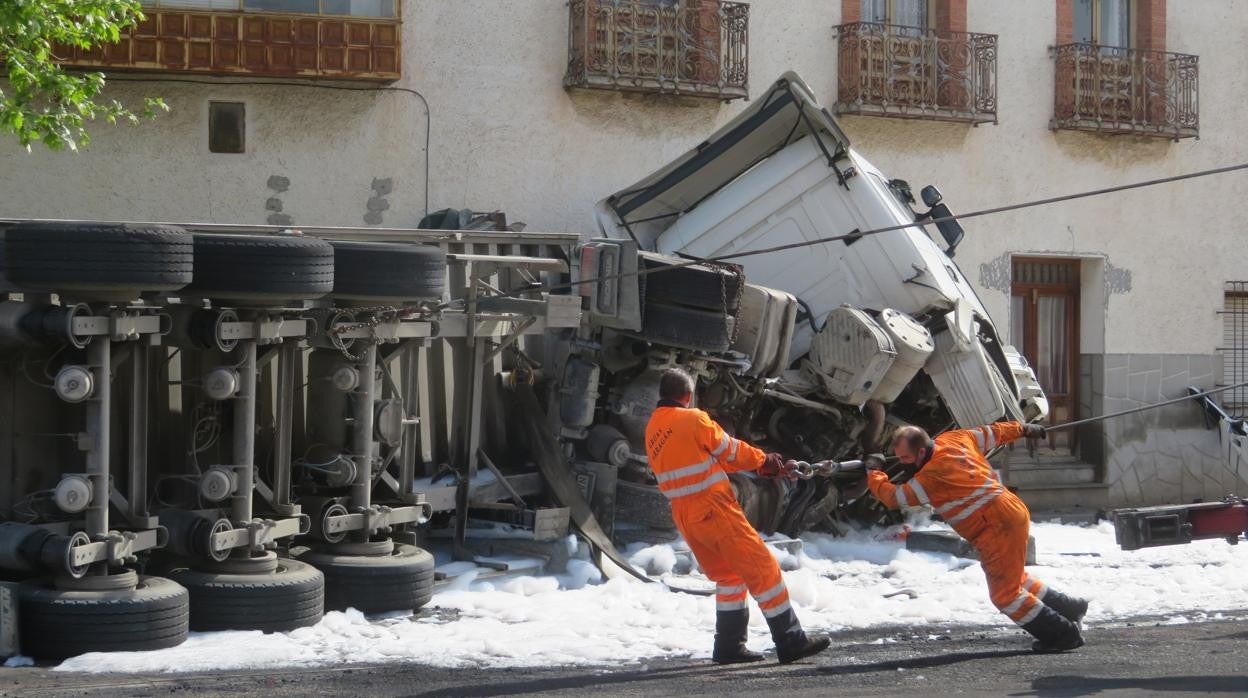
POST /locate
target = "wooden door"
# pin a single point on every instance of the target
(1044, 325)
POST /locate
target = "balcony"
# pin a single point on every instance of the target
(913, 73)
(251, 43)
(1126, 91)
(696, 48)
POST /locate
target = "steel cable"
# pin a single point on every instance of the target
(1193, 396)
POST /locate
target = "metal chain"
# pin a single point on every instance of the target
(342, 348)
(723, 270)
(377, 315)
(723, 301)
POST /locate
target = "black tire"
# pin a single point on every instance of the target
(643, 504)
(292, 596)
(55, 624)
(687, 328)
(696, 286)
(375, 584)
(381, 271)
(270, 268)
(88, 259)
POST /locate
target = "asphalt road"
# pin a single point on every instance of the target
(1141, 658)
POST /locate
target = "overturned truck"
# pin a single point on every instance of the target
(216, 426)
(812, 347)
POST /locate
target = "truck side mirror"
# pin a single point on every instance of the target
(931, 195)
(950, 229)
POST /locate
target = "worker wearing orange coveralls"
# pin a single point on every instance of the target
(954, 478)
(690, 456)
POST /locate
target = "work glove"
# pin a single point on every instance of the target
(773, 465)
(873, 461)
(1033, 433)
(876, 477)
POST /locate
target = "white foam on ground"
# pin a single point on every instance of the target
(841, 583)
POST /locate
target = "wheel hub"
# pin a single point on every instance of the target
(265, 563)
(123, 580)
(372, 548)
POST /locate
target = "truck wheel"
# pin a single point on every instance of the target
(697, 286)
(381, 272)
(97, 260)
(642, 504)
(265, 268)
(399, 581)
(688, 328)
(57, 623)
(291, 596)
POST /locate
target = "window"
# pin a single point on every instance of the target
(906, 13)
(352, 8)
(358, 8)
(227, 127)
(306, 7)
(193, 4)
(1103, 22)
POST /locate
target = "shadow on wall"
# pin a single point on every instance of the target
(648, 115)
(1115, 150)
(1163, 456)
(1171, 466)
(870, 134)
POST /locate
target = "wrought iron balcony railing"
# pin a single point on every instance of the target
(908, 72)
(686, 47)
(1131, 91)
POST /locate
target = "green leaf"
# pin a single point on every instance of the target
(44, 103)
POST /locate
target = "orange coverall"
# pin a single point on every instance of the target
(690, 456)
(960, 485)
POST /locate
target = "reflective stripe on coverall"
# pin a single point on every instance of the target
(690, 456)
(960, 485)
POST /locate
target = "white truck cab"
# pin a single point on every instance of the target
(783, 173)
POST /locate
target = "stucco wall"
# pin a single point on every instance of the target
(328, 145)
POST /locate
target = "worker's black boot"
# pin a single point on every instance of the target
(1053, 632)
(731, 628)
(792, 643)
(1071, 608)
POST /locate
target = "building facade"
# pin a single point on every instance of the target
(375, 112)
